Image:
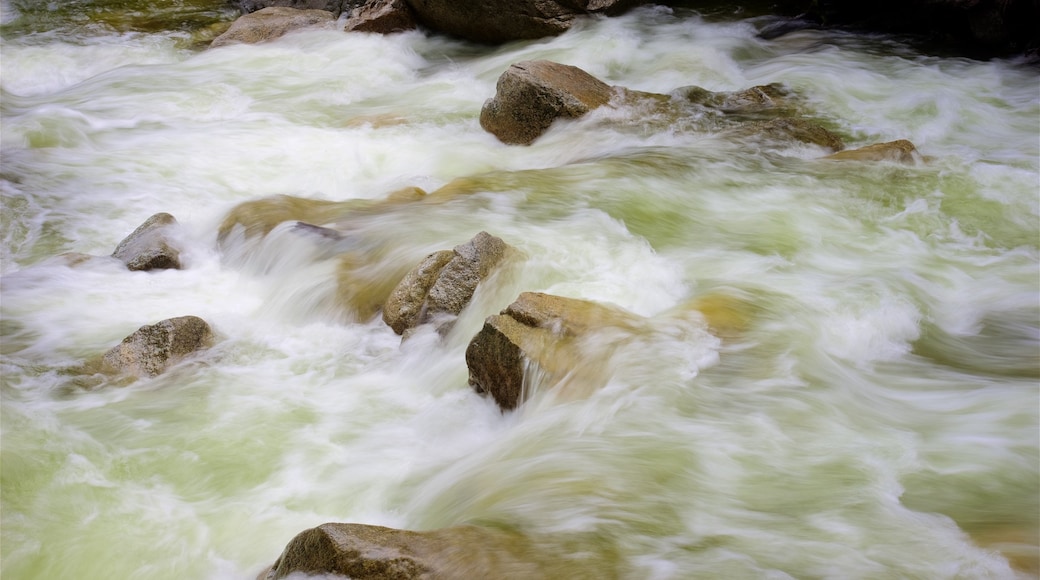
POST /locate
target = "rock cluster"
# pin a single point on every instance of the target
(982, 28)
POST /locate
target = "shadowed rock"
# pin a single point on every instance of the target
(901, 151)
(381, 16)
(530, 95)
(148, 247)
(270, 23)
(443, 283)
(497, 21)
(364, 552)
(154, 348)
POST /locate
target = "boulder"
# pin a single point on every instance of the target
(333, 6)
(541, 333)
(901, 151)
(270, 23)
(530, 95)
(498, 21)
(440, 287)
(381, 16)
(148, 247)
(366, 552)
(154, 348)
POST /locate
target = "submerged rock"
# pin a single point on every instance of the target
(152, 349)
(270, 23)
(440, 287)
(365, 552)
(801, 130)
(381, 16)
(901, 151)
(148, 247)
(530, 95)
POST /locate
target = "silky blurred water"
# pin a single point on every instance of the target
(874, 416)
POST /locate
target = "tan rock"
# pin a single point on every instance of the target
(441, 286)
(530, 95)
(543, 334)
(901, 151)
(270, 23)
(365, 552)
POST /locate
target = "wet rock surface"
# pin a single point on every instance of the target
(149, 246)
(153, 349)
(270, 23)
(440, 287)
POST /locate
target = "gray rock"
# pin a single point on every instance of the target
(441, 286)
(530, 95)
(152, 349)
(148, 247)
(270, 23)
(381, 16)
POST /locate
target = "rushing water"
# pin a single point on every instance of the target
(875, 415)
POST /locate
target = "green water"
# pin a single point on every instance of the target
(875, 414)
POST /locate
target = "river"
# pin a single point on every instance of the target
(875, 416)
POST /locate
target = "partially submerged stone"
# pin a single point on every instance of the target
(272, 22)
(148, 247)
(152, 349)
(541, 333)
(901, 151)
(366, 552)
(440, 287)
(530, 95)
(785, 129)
(381, 16)
(757, 99)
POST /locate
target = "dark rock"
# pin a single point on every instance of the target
(440, 287)
(154, 348)
(381, 16)
(271, 23)
(498, 21)
(334, 6)
(530, 95)
(148, 247)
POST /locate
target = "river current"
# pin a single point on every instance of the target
(875, 415)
